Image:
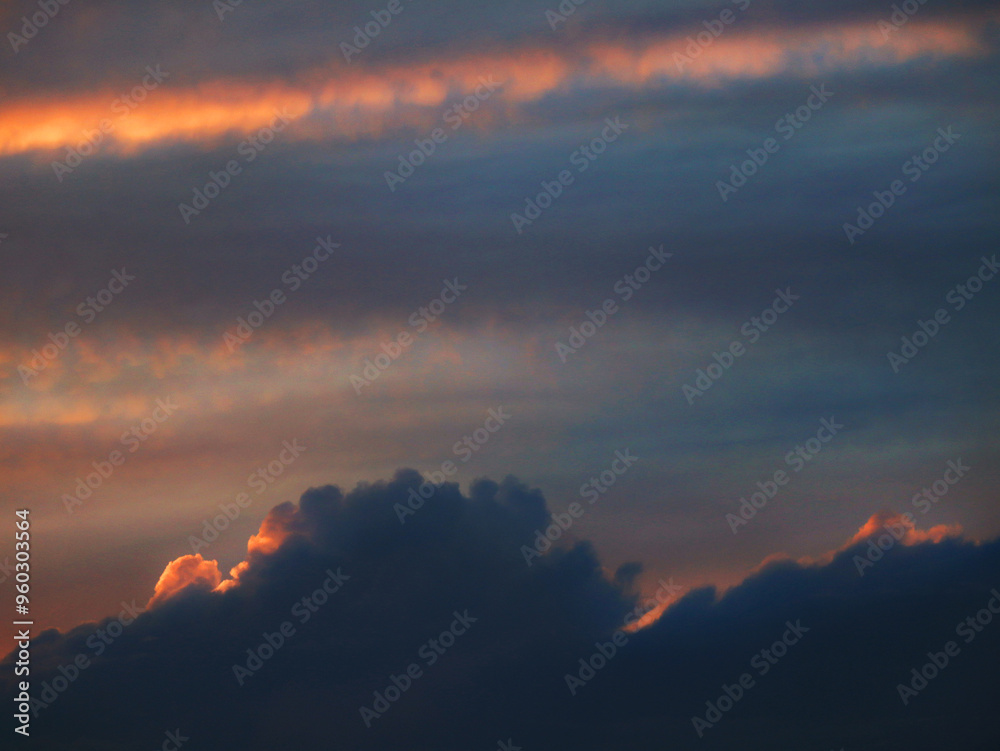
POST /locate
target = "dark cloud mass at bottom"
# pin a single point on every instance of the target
(850, 634)
(208, 154)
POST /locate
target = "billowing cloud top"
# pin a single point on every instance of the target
(322, 625)
(171, 169)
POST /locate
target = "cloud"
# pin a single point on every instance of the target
(274, 530)
(882, 525)
(341, 102)
(186, 571)
(359, 595)
(887, 521)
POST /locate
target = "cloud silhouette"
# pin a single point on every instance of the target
(351, 603)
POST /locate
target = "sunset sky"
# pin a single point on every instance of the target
(647, 257)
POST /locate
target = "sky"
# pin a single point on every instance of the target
(709, 286)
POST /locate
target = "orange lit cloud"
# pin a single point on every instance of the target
(99, 381)
(880, 523)
(182, 572)
(353, 103)
(193, 569)
(273, 532)
(77, 410)
(658, 605)
(805, 52)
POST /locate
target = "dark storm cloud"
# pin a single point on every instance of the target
(656, 185)
(850, 639)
